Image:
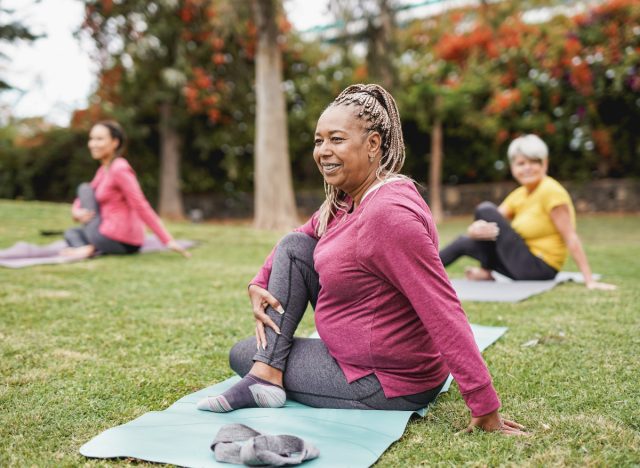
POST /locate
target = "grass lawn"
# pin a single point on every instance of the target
(88, 346)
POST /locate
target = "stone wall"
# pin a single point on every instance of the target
(606, 195)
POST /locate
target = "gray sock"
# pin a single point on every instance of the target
(250, 392)
(237, 443)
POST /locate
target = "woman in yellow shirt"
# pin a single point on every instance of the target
(529, 235)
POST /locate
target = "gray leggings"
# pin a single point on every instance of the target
(90, 232)
(311, 375)
(508, 254)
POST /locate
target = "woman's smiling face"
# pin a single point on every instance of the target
(101, 144)
(342, 150)
(529, 172)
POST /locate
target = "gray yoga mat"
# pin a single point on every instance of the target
(24, 254)
(504, 289)
(181, 435)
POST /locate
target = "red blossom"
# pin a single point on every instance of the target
(107, 6)
(217, 43)
(201, 79)
(572, 46)
(186, 15)
(504, 100)
(581, 78)
(502, 136)
(360, 73)
(284, 26)
(602, 139)
(218, 58)
(214, 115)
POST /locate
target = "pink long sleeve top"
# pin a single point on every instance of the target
(123, 207)
(386, 305)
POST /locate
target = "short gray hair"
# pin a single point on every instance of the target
(530, 146)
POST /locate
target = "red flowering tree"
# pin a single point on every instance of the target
(574, 81)
(189, 65)
(174, 65)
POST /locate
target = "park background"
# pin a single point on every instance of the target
(88, 346)
(468, 77)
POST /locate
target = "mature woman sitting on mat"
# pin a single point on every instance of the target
(112, 208)
(528, 235)
(391, 325)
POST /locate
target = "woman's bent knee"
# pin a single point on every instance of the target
(296, 240)
(486, 210)
(84, 187)
(69, 235)
(74, 237)
(297, 244)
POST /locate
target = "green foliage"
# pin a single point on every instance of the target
(487, 73)
(47, 167)
(208, 50)
(182, 53)
(87, 346)
(574, 81)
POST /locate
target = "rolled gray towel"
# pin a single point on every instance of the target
(240, 444)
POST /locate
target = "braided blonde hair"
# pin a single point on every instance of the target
(377, 108)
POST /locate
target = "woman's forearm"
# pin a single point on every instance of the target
(580, 257)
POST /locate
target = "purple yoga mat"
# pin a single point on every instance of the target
(23, 254)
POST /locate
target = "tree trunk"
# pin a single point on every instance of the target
(381, 47)
(275, 206)
(435, 172)
(170, 204)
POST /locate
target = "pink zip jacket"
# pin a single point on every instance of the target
(386, 305)
(123, 207)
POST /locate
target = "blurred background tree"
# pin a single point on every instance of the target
(159, 59)
(12, 30)
(274, 203)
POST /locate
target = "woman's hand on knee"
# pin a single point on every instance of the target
(261, 299)
(483, 230)
(82, 215)
(493, 422)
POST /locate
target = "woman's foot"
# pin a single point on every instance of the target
(85, 251)
(478, 274)
(250, 392)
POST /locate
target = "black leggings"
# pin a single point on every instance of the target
(311, 375)
(508, 254)
(90, 233)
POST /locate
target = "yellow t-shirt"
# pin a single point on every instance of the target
(532, 219)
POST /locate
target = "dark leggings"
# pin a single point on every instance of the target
(311, 375)
(90, 233)
(508, 254)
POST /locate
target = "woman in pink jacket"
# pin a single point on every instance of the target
(392, 327)
(112, 208)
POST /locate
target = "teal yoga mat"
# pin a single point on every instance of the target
(181, 434)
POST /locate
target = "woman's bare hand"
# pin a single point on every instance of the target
(493, 422)
(82, 215)
(601, 286)
(173, 245)
(483, 230)
(261, 299)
